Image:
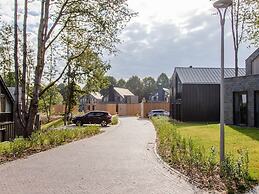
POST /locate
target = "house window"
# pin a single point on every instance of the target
(179, 89)
(240, 108)
(2, 103)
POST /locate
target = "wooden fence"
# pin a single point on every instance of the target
(133, 109)
(7, 131)
(121, 109)
(60, 109)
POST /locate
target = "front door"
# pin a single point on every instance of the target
(257, 109)
(240, 108)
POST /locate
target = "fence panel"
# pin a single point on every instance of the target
(148, 106)
(9, 131)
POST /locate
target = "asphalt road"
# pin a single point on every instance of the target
(120, 160)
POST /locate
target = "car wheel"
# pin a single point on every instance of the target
(103, 123)
(78, 123)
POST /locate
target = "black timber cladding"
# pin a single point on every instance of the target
(200, 96)
(200, 102)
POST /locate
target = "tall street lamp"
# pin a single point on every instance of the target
(222, 7)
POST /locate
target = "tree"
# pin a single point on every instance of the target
(237, 27)
(135, 85)
(149, 87)
(249, 13)
(6, 51)
(112, 80)
(48, 99)
(94, 25)
(163, 80)
(87, 69)
(121, 83)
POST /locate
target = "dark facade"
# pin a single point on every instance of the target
(196, 93)
(242, 95)
(119, 95)
(6, 103)
(160, 95)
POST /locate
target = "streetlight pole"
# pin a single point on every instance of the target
(222, 7)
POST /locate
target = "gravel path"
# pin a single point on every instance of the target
(120, 160)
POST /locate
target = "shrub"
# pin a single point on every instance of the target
(193, 160)
(42, 140)
(115, 120)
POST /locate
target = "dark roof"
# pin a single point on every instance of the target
(6, 89)
(189, 75)
(254, 55)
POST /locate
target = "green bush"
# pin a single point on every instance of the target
(115, 120)
(193, 160)
(42, 140)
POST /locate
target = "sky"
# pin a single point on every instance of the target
(164, 35)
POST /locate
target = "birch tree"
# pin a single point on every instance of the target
(96, 23)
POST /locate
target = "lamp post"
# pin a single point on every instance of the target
(222, 7)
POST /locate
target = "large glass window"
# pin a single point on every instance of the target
(240, 108)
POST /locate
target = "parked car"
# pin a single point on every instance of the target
(159, 112)
(93, 117)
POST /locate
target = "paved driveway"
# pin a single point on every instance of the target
(121, 160)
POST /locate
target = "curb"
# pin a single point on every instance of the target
(168, 167)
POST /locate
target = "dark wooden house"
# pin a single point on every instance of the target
(160, 95)
(196, 93)
(119, 96)
(6, 113)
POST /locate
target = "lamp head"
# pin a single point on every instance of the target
(222, 4)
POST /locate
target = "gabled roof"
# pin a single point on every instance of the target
(254, 55)
(6, 89)
(166, 90)
(123, 92)
(191, 75)
(97, 95)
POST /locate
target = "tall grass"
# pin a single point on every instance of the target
(193, 160)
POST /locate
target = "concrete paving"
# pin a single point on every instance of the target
(120, 160)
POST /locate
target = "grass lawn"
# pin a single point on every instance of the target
(236, 138)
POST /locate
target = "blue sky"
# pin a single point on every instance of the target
(165, 34)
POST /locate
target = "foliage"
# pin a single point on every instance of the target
(42, 140)
(191, 159)
(149, 87)
(121, 83)
(135, 85)
(115, 120)
(249, 13)
(163, 80)
(76, 27)
(48, 99)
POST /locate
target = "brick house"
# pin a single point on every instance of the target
(242, 95)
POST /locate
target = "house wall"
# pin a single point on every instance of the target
(200, 102)
(252, 63)
(248, 84)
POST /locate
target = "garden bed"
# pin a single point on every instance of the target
(43, 140)
(201, 162)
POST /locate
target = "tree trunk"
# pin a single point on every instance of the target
(24, 65)
(33, 110)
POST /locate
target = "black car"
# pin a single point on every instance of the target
(94, 117)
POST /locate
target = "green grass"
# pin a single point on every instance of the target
(53, 124)
(236, 138)
(43, 140)
(115, 120)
